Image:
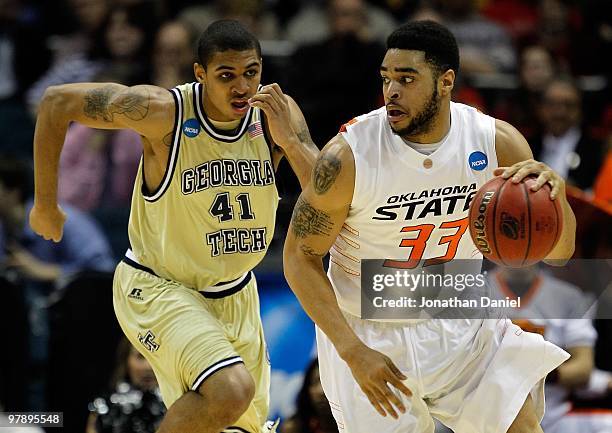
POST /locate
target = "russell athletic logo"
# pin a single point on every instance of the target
(479, 225)
(478, 161)
(136, 294)
(191, 128)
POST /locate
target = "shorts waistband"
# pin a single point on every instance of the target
(219, 290)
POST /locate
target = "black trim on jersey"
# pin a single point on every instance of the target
(210, 129)
(235, 429)
(210, 370)
(138, 266)
(172, 155)
(267, 137)
(229, 292)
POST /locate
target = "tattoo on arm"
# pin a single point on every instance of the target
(325, 172)
(306, 220)
(99, 102)
(309, 251)
(304, 134)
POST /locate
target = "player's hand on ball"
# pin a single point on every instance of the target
(48, 222)
(273, 102)
(545, 174)
(374, 372)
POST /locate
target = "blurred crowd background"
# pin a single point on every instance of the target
(542, 65)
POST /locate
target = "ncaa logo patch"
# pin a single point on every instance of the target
(478, 161)
(191, 128)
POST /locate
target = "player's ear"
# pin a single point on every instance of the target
(447, 81)
(200, 72)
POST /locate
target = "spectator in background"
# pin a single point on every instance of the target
(559, 312)
(312, 23)
(563, 144)
(484, 46)
(73, 59)
(134, 404)
(537, 69)
(252, 13)
(22, 40)
(173, 55)
(127, 42)
(336, 79)
(99, 167)
(313, 414)
(33, 258)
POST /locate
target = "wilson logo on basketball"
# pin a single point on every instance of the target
(509, 226)
(479, 223)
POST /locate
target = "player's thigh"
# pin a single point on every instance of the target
(173, 328)
(241, 321)
(350, 406)
(527, 420)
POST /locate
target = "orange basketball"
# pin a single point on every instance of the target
(512, 225)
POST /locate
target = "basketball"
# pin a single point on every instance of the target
(512, 225)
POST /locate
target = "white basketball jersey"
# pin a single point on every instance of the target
(407, 205)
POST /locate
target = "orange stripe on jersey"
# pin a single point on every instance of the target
(344, 268)
(351, 242)
(350, 229)
(348, 256)
(345, 125)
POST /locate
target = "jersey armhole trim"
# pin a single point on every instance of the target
(172, 157)
(268, 139)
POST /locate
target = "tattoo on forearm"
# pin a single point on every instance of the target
(133, 105)
(325, 172)
(306, 220)
(309, 251)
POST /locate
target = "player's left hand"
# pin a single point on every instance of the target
(545, 174)
(274, 104)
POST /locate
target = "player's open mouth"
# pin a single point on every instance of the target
(395, 115)
(240, 106)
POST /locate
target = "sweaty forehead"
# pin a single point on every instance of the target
(234, 59)
(401, 59)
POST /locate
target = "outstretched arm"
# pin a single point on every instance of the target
(516, 161)
(317, 219)
(289, 131)
(147, 110)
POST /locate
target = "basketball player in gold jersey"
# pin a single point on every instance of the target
(203, 213)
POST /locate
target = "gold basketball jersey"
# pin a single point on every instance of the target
(212, 217)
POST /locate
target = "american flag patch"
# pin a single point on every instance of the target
(255, 129)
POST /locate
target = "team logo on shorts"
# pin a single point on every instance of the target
(148, 341)
(191, 128)
(478, 161)
(136, 294)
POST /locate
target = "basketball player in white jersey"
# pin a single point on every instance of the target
(203, 212)
(396, 184)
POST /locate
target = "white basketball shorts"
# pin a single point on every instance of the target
(472, 375)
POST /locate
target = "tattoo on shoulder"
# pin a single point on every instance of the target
(131, 104)
(307, 220)
(325, 172)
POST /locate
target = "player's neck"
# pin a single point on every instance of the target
(439, 128)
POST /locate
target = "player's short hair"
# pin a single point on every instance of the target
(225, 35)
(434, 39)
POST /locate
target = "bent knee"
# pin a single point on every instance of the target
(229, 391)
